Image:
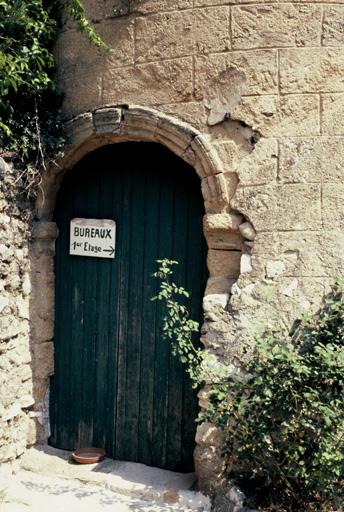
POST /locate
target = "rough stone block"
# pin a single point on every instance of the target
(74, 47)
(274, 268)
(40, 388)
(31, 435)
(149, 6)
(332, 114)
(260, 166)
(224, 240)
(97, 11)
(311, 160)
(107, 120)
(175, 135)
(207, 161)
(222, 222)
(333, 205)
(214, 301)
(139, 123)
(208, 461)
(333, 30)
(259, 68)
(245, 263)
(81, 64)
(214, 190)
(295, 296)
(8, 452)
(231, 152)
(231, 182)
(80, 82)
(26, 401)
(278, 116)
(44, 230)
(281, 207)
(301, 252)
(20, 354)
(4, 302)
(223, 263)
(149, 84)
(332, 243)
(312, 70)
(247, 231)
(276, 25)
(193, 113)
(179, 33)
(43, 360)
(223, 94)
(208, 434)
(217, 285)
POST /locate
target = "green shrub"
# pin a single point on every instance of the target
(30, 114)
(284, 417)
(284, 425)
(285, 421)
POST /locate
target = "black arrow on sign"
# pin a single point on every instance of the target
(111, 250)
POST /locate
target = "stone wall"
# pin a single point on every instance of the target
(16, 394)
(263, 83)
(259, 87)
(26, 318)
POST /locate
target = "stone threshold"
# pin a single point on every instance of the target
(123, 478)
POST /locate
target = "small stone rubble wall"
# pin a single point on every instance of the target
(16, 392)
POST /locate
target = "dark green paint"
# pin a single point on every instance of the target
(116, 384)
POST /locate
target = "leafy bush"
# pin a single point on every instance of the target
(30, 117)
(284, 417)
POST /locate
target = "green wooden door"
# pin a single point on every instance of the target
(116, 384)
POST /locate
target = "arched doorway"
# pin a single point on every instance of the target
(116, 384)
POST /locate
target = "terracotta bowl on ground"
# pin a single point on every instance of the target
(88, 455)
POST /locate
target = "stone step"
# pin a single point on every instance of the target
(124, 478)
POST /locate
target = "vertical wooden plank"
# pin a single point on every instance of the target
(76, 338)
(194, 283)
(116, 187)
(176, 369)
(134, 313)
(102, 321)
(148, 318)
(63, 325)
(63, 329)
(87, 174)
(124, 256)
(162, 349)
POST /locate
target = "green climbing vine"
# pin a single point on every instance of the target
(30, 114)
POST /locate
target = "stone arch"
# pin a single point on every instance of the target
(90, 131)
(110, 125)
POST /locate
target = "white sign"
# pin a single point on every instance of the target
(92, 237)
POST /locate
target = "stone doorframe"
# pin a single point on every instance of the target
(87, 132)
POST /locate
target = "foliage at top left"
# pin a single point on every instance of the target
(28, 29)
(30, 117)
